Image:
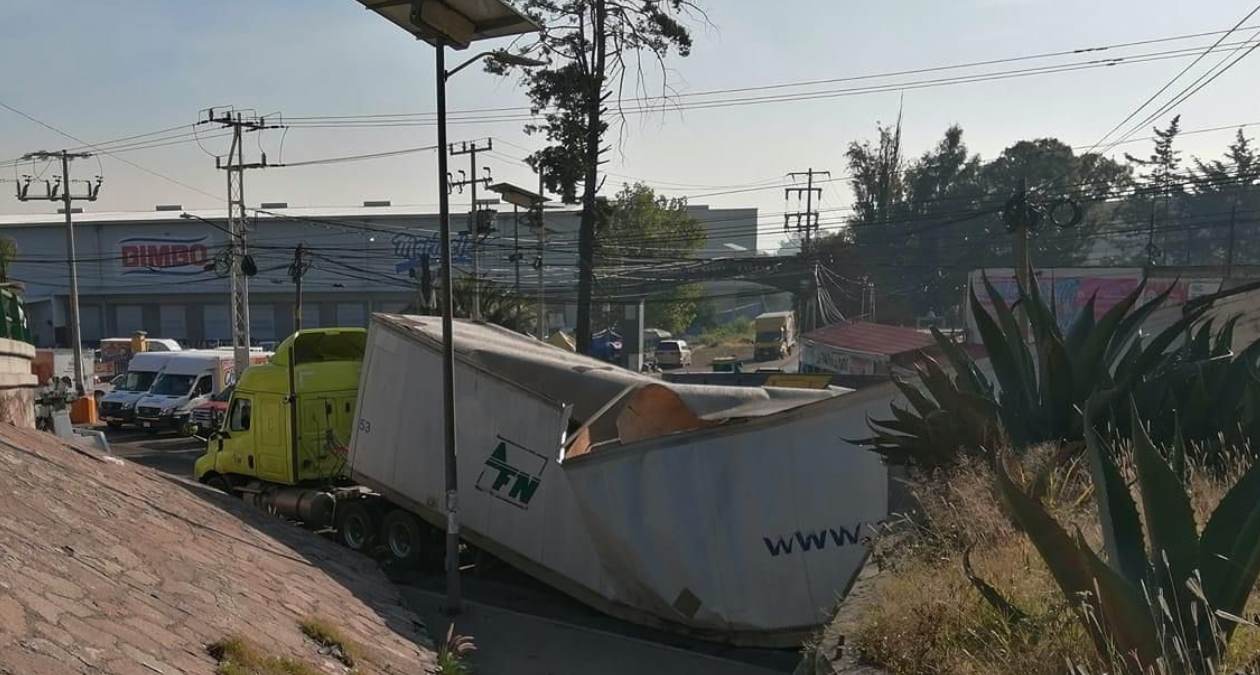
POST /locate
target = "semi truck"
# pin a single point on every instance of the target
(775, 335)
(734, 514)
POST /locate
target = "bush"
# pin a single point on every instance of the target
(738, 331)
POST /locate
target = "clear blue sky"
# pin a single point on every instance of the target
(102, 71)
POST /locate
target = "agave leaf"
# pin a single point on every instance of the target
(1090, 360)
(1153, 353)
(1179, 448)
(1065, 560)
(1013, 337)
(1121, 526)
(1169, 516)
(1128, 619)
(1230, 546)
(1057, 395)
(963, 364)
(1132, 324)
(1201, 346)
(921, 403)
(1040, 316)
(1225, 338)
(1081, 326)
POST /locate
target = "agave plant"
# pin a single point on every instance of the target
(1170, 607)
(1041, 386)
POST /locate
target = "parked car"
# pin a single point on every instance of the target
(206, 417)
(673, 353)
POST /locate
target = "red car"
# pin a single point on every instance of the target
(207, 416)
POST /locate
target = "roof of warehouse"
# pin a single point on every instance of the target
(871, 338)
(30, 219)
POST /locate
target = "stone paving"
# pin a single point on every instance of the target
(108, 567)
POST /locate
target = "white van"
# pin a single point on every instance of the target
(189, 379)
(118, 407)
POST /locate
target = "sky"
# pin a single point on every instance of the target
(104, 71)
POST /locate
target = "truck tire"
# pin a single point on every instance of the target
(221, 483)
(356, 526)
(403, 538)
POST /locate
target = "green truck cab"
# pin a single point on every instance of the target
(289, 421)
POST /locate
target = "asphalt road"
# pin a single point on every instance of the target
(167, 452)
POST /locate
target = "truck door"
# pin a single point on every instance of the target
(271, 438)
(236, 446)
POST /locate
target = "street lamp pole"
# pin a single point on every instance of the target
(453, 600)
(456, 24)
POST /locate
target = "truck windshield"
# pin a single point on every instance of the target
(769, 336)
(173, 385)
(136, 380)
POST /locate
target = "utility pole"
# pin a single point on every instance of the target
(806, 223)
(807, 220)
(474, 224)
(541, 227)
(242, 266)
(297, 270)
(60, 191)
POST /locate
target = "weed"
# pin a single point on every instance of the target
(238, 656)
(332, 640)
(450, 659)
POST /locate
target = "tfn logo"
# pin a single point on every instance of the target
(512, 473)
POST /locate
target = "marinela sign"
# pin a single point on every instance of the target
(177, 256)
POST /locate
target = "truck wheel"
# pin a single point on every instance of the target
(114, 425)
(220, 483)
(356, 526)
(402, 535)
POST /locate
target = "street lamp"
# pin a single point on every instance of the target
(457, 24)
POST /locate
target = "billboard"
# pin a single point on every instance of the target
(1069, 289)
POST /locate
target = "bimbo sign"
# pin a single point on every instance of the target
(178, 256)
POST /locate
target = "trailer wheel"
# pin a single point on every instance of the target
(355, 526)
(402, 535)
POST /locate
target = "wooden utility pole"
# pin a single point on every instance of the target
(60, 191)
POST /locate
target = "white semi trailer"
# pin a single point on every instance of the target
(731, 513)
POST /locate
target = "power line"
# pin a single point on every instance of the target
(1174, 79)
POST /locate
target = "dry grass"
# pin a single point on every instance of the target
(928, 618)
(238, 656)
(331, 639)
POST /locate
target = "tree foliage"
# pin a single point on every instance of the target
(921, 224)
(596, 50)
(637, 226)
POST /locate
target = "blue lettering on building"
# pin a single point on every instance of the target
(412, 247)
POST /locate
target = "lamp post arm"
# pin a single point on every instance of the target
(451, 73)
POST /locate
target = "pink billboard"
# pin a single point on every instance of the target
(1071, 289)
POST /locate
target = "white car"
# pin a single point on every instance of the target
(673, 353)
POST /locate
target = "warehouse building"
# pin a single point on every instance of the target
(165, 274)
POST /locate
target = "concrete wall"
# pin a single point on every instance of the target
(17, 384)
